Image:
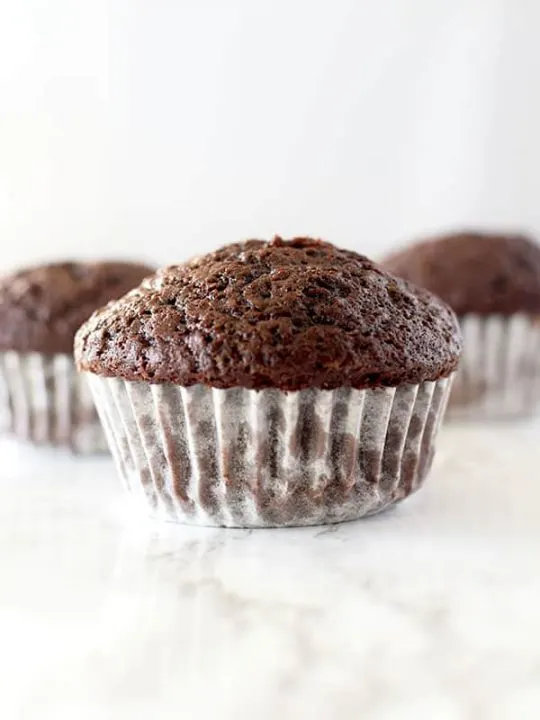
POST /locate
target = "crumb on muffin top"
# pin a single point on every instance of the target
(475, 272)
(42, 307)
(281, 314)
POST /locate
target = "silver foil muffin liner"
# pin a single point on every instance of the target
(499, 373)
(247, 458)
(45, 401)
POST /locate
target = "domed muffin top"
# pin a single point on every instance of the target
(280, 314)
(475, 272)
(42, 307)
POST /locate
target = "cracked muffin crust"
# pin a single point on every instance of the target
(280, 314)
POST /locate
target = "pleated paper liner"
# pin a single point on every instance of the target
(45, 401)
(246, 458)
(499, 373)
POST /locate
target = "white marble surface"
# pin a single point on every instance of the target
(428, 612)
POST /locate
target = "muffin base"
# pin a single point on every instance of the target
(45, 401)
(499, 373)
(247, 458)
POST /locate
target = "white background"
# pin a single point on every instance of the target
(161, 128)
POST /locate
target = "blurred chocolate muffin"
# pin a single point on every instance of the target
(41, 308)
(475, 272)
(492, 281)
(271, 383)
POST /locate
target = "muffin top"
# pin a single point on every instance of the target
(475, 272)
(41, 308)
(281, 314)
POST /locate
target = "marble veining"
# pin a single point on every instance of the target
(429, 611)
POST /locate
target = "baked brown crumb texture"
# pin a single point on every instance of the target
(281, 314)
(41, 308)
(475, 272)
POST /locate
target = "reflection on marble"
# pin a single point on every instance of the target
(429, 611)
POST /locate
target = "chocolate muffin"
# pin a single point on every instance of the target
(43, 399)
(270, 384)
(492, 281)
